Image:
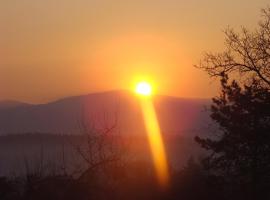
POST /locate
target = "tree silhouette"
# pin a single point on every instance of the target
(247, 53)
(240, 151)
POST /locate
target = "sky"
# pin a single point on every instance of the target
(57, 48)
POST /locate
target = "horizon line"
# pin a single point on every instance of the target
(95, 93)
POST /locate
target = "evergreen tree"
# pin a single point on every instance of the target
(240, 151)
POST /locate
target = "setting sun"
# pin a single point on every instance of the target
(144, 88)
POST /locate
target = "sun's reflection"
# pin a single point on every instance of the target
(155, 140)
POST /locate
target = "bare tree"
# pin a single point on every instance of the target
(247, 53)
(102, 147)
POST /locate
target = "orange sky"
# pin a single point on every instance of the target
(55, 48)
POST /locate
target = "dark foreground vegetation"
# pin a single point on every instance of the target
(135, 181)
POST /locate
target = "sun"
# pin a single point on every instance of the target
(143, 88)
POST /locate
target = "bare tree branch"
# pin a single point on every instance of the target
(247, 53)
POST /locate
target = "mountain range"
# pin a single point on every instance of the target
(103, 110)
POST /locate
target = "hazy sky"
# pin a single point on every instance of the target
(55, 48)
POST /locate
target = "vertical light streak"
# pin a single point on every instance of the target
(155, 141)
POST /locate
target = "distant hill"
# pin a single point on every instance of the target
(7, 104)
(176, 115)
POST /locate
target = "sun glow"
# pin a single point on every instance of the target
(144, 88)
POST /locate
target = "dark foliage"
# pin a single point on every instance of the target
(240, 151)
(136, 181)
(8, 189)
